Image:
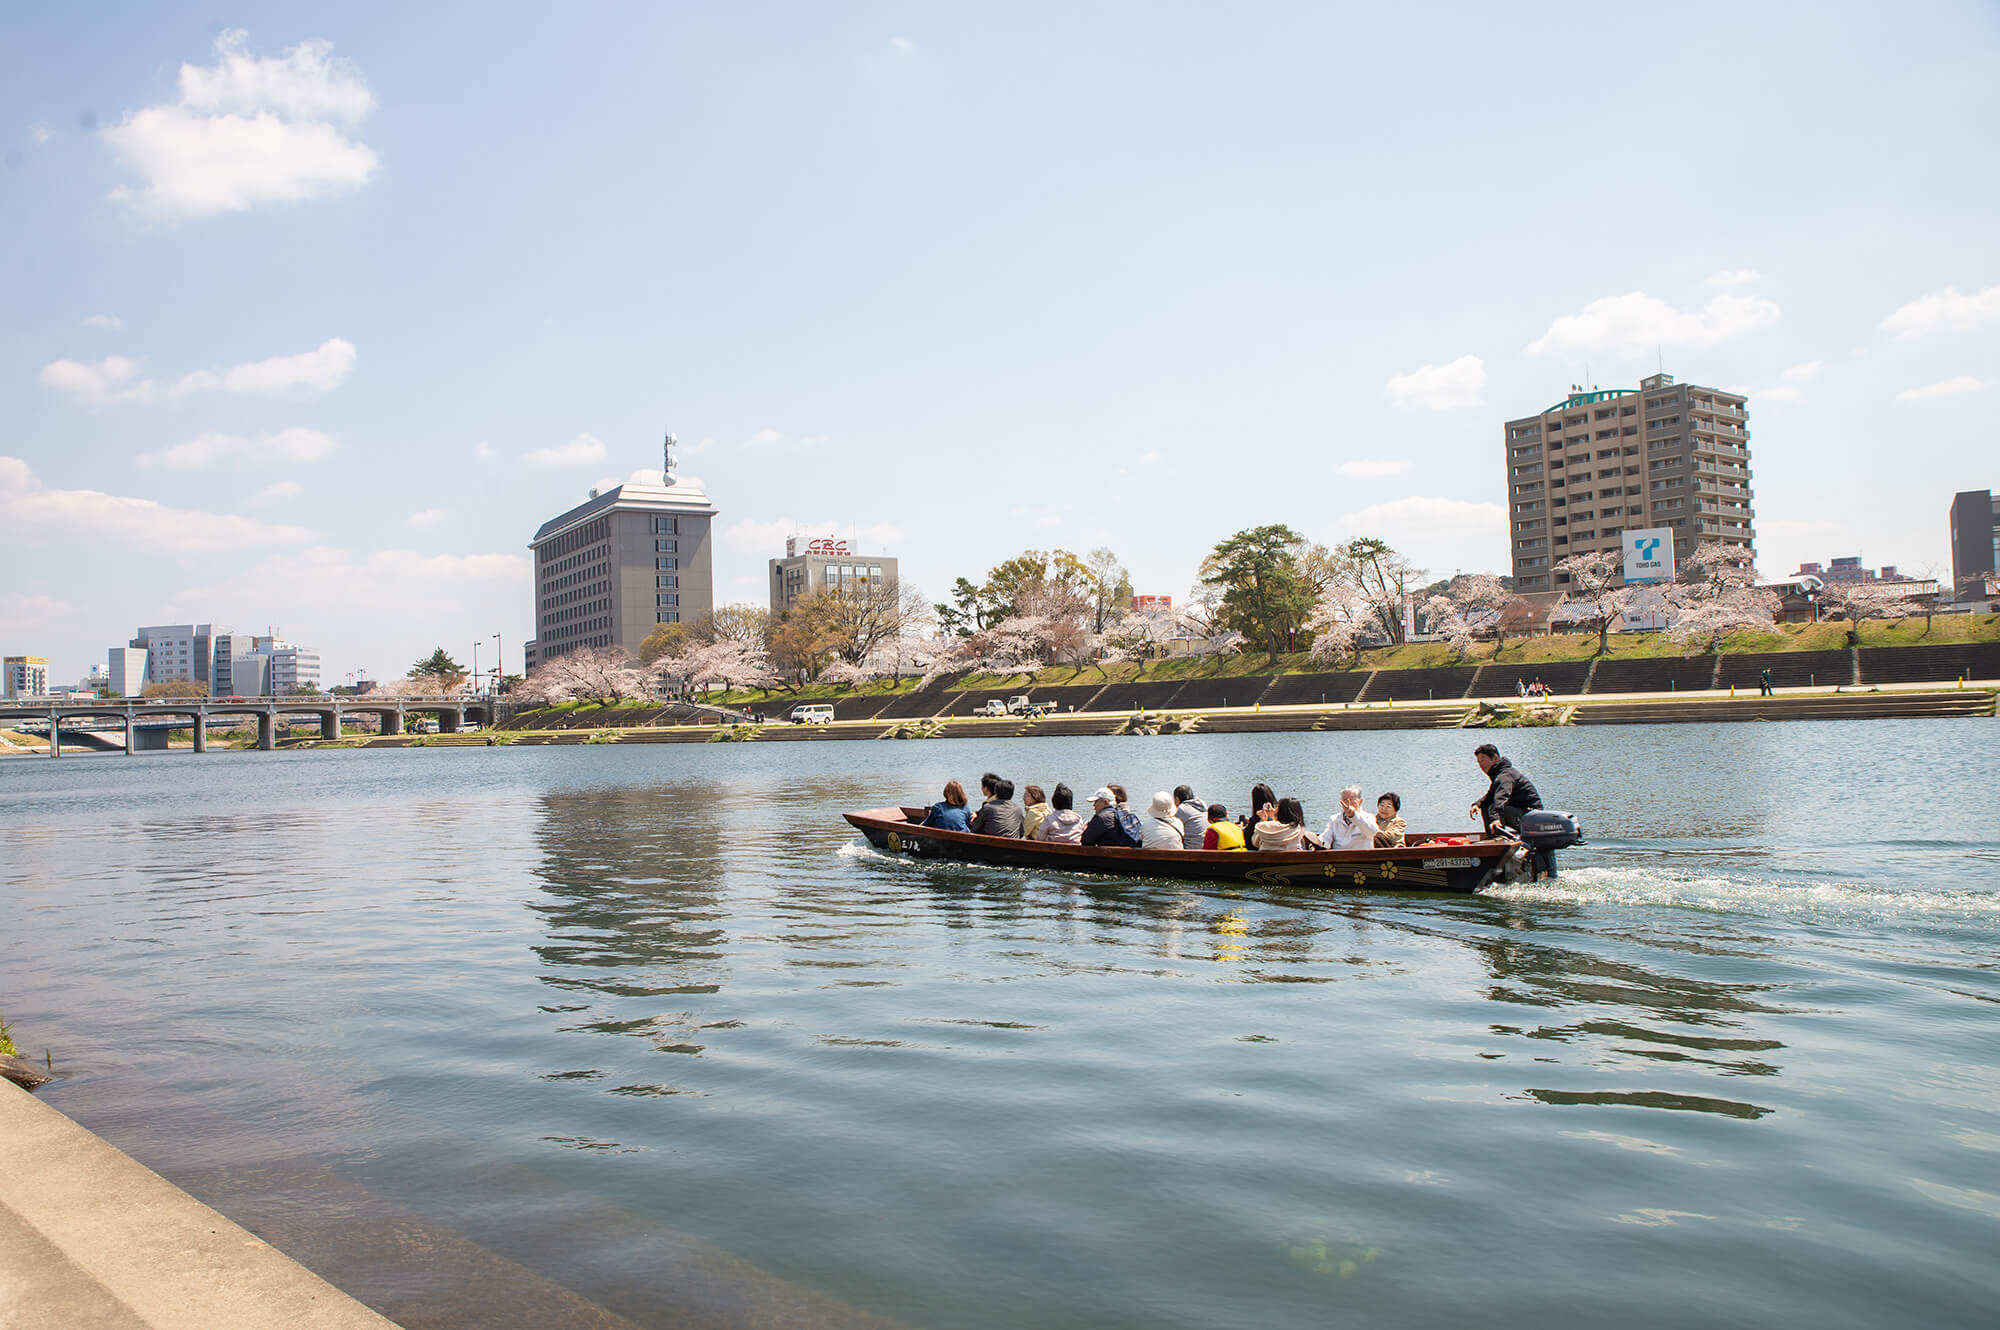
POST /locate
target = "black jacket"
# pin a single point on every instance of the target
(1103, 829)
(998, 817)
(1509, 795)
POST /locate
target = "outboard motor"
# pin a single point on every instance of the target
(1547, 829)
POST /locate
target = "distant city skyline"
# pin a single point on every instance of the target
(947, 284)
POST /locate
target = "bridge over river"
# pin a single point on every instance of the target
(146, 723)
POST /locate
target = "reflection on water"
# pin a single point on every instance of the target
(646, 1036)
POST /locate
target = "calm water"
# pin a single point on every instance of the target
(562, 1036)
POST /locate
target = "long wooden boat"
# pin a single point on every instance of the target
(1422, 865)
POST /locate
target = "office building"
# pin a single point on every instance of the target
(1975, 545)
(24, 676)
(611, 569)
(814, 567)
(1602, 462)
(1849, 572)
(177, 653)
(125, 673)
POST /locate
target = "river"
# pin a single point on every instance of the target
(569, 1035)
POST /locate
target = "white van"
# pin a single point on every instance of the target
(812, 713)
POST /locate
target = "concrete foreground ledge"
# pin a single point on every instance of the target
(89, 1236)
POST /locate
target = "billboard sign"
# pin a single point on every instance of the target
(826, 548)
(1649, 556)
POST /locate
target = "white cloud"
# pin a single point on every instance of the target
(696, 448)
(1149, 457)
(1440, 387)
(580, 451)
(1633, 324)
(39, 133)
(111, 379)
(153, 529)
(484, 452)
(425, 519)
(901, 44)
(247, 131)
(1445, 535)
(98, 382)
(1945, 311)
(1964, 383)
(1733, 277)
(320, 370)
(1374, 468)
(278, 493)
(210, 448)
(1790, 386)
(111, 322)
(764, 438)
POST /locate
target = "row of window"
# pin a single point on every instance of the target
(576, 538)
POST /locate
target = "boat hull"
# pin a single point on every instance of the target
(1419, 867)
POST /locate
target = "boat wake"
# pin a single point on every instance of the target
(1752, 893)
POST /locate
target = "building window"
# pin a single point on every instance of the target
(667, 562)
(666, 526)
(666, 547)
(669, 580)
(668, 616)
(667, 598)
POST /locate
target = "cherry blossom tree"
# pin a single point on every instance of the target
(1595, 594)
(1448, 619)
(1867, 600)
(1338, 621)
(593, 674)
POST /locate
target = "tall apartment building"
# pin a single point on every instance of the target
(609, 570)
(24, 676)
(1975, 544)
(813, 567)
(1599, 463)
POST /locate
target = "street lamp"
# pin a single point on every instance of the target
(475, 665)
(499, 665)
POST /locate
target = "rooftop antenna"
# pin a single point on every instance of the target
(667, 460)
(1661, 351)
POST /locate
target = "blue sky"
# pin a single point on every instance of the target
(297, 295)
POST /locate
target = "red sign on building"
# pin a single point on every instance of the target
(1140, 604)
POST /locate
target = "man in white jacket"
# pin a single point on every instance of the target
(1350, 828)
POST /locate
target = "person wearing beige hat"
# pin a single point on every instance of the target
(1163, 830)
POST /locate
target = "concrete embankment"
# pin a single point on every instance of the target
(1672, 708)
(91, 1237)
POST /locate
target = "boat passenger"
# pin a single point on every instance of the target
(1118, 794)
(1282, 826)
(1163, 830)
(999, 815)
(1260, 795)
(1350, 828)
(1063, 822)
(1193, 815)
(1390, 829)
(1222, 834)
(1034, 807)
(950, 813)
(1106, 827)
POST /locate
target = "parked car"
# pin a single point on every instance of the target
(992, 707)
(1018, 705)
(812, 713)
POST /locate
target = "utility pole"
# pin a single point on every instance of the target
(499, 665)
(475, 665)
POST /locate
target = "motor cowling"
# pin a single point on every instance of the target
(1548, 829)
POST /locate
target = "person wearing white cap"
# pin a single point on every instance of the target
(1106, 827)
(1163, 831)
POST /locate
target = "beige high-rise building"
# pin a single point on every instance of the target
(1600, 463)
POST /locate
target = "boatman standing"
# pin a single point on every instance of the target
(1509, 793)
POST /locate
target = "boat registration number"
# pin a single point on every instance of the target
(1467, 862)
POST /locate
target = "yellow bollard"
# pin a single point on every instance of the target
(1732, 690)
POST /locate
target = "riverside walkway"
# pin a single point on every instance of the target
(91, 1237)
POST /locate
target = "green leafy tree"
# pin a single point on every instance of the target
(1265, 594)
(1109, 585)
(439, 670)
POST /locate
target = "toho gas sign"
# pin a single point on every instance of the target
(1649, 555)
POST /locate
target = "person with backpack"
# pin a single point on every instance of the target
(1111, 825)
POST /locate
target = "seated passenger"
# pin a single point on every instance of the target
(1106, 827)
(1034, 807)
(1118, 796)
(950, 813)
(1260, 795)
(1389, 826)
(1282, 826)
(1193, 815)
(1163, 830)
(1062, 823)
(1222, 834)
(999, 815)
(1350, 828)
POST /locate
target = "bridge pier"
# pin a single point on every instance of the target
(448, 722)
(131, 733)
(329, 725)
(201, 733)
(55, 736)
(267, 732)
